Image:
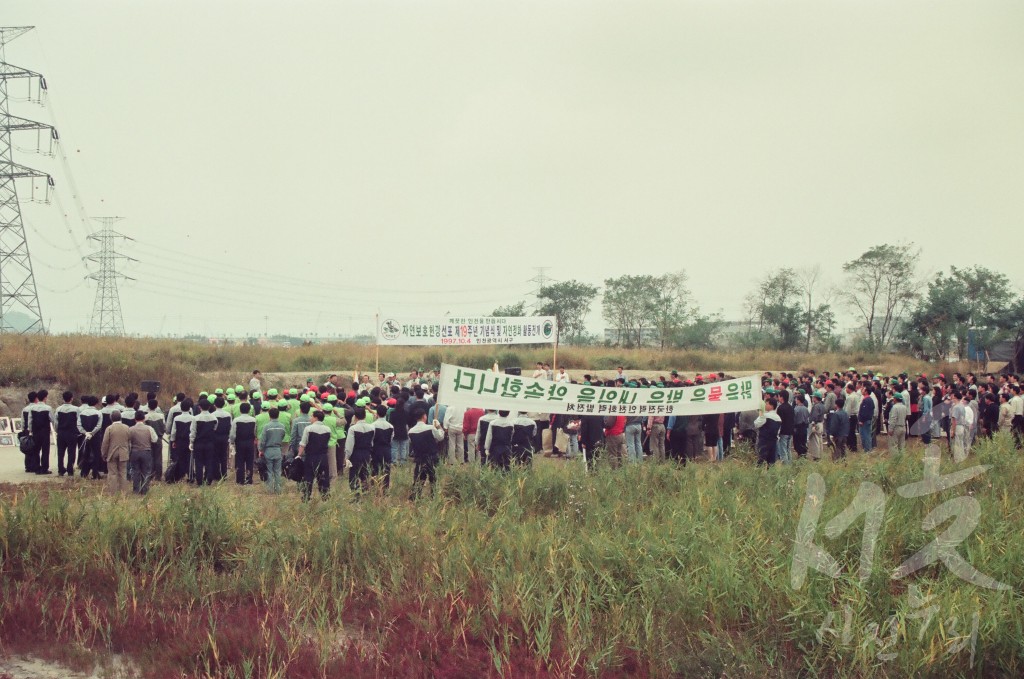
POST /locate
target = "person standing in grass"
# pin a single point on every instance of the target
(958, 427)
(116, 450)
(470, 423)
(222, 437)
(786, 416)
(41, 421)
(202, 437)
(522, 437)
(656, 429)
(380, 455)
(180, 466)
(423, 440)
(768, 426)
(615, 439)
(454, 417)
(634, 436)
(155, 421)
(817, 426)
(313, 451)
(897, 424)
(270, 441)
(865, 420)
(801, 424)
(142, 437)
(67, 435)
(839, 428)
(359, 451)
(89, 428)
(498, 443)
(1017, 405)
(243, 438)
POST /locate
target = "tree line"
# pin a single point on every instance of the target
(930, 315)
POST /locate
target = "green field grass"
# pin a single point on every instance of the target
(100, 365)
(651, 570)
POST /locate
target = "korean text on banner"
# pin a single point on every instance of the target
(485, 389)
(475, 330)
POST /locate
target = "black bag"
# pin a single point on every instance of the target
(295, 469)
(261, 467)
(26, 443)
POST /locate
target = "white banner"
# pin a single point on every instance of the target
(495, 391)
(452, 331)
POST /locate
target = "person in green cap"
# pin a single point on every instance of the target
(256, 399)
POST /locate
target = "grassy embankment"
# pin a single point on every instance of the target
(651, 570)
(98, 365)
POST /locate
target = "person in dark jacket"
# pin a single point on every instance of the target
(591, 436)
(522, 439)
(399, 419)
(423, 440)
(675, 436)
(838, 425)
(801, 425)
(41, 422)
(865, 420)
(359, 451)
(768, 427)
(89, 429)
(243, 436)
(313, 451)
(499, 441)
(203, 436)
(786, 417)
(67, 435)
(180, 465)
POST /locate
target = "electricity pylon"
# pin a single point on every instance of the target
(106, 310)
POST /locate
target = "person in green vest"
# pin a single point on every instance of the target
(285, 418)
(261, 421)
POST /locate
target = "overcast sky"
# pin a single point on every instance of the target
(312, 162)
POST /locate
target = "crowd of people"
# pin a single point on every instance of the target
(314, 433)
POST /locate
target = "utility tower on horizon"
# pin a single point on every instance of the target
(541, 279)
(19, 299)
(106, 310)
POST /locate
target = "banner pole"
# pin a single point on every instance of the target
(554, 358)
(376, 339)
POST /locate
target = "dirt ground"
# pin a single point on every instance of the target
(32, 668)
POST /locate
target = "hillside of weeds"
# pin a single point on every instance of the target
(102, 365)
(651, 570)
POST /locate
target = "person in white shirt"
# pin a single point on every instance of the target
(563, 377)
(254, 382)
(1017, 403)
(539, 373)
(456, 440)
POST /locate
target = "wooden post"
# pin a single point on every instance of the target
(554, 358)
(376, 340)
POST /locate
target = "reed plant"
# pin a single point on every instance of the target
(99, 365)
(649, 570)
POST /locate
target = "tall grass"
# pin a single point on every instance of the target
(651, 570)
(98, 364)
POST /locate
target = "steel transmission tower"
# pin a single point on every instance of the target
(106, 310)
(541, 279)
(18, 296)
